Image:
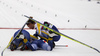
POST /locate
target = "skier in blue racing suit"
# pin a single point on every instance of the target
(44, 33)
(28, 42)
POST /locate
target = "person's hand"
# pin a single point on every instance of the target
(21, 36)
(51, 34)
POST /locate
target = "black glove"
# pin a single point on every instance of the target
(51, 34)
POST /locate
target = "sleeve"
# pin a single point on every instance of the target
(51, 33)
(54, 28)
(36, 34)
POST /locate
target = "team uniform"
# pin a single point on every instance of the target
(25, 40)
(46, 34)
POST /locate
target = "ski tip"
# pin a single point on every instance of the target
(96, 50)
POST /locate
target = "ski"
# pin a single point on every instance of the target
(63, 34)
(13, 38)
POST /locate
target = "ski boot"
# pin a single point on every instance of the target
(12, 47)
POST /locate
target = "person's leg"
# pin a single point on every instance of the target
(43, 45)
(46, 47)
(32, 46)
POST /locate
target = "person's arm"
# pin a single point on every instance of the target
(36, 34)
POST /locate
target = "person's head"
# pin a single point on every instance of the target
(30, 24)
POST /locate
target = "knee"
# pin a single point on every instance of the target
(46, 47)
(34, 46)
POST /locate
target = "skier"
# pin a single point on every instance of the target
(26, 42)
(44, 33)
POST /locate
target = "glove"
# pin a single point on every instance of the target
(21, 36)
(51, 34)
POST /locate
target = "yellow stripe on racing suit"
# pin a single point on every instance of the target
(42, 32)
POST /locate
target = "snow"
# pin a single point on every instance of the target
(58, 12)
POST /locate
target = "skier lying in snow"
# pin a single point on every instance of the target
(25, 41)
(44, 33)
